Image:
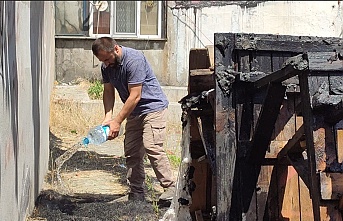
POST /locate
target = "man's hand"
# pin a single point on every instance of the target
(114, 128)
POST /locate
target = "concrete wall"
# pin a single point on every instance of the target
(74, 57)
(27, 74)
(192, 24)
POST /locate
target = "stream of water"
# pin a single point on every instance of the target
(63, 158)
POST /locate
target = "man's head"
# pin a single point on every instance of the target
(107, 51)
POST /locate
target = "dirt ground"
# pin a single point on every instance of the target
(92, 179)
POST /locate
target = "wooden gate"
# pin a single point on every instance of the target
(266, 131)
(278, 127)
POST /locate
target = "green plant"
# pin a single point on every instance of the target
(149, 184)
(151, 191)
(95, 90)
(173, 159)
(155, 208)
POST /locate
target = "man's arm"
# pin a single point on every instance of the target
(135, 91)
(108, 101)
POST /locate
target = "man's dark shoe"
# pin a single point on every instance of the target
(165, 199)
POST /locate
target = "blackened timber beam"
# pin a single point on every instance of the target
(334, 115)
(286, 43)
(203, 112)
(200, 80)
(332, 112)
(206, 131)
(300, 164)
(266, 122)
(331, 187)
(330, 105)
(308, 127)
(325, 100)
(292, 143)
(325, 61)
(251, 76)
(293, 66)
(224, 125)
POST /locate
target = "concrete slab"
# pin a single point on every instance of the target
(70, 92)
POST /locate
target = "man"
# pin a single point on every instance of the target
(145, 109)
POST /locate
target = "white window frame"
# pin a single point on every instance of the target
(126, 35)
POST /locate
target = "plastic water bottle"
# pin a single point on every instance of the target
(97, 135)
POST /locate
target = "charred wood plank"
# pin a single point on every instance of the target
(261, 61)
(293, 66)
(225, 124)
(331, 106)
(275, 161)
(210, 51)
(198, 216)
(292, 143)
(203, 112)
(325, 61)
(334, 114)
(300, 164)
(336, 83)
(266, 122)
(324, 100)
(198, 58)
(225, 78)
(285, 43)
(247, 175)
(196, 72)
(308, 126)
(251, 76)
(278, 59)
(206, 131)
(244, 60)
(197, 149)
(200, 80)
(331, 187)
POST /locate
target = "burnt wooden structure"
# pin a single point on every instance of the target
(265, 114)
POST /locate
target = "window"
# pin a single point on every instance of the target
(71, 18)
(132, 19)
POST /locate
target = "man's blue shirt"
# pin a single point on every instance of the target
(135, 69)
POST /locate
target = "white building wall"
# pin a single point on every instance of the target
(195, 27)
(27, 73)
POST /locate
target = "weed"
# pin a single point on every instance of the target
(151, 191)
(173, 159)
(149, 184)
(155, 208)
(95, 90)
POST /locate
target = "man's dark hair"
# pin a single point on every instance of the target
(103, 43)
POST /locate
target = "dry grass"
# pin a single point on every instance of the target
(68, 116)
